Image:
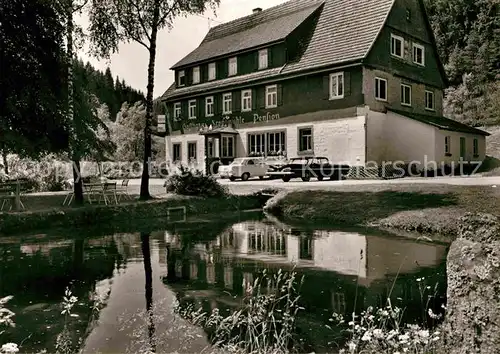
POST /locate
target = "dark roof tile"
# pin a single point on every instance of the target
(345, 31)
(250, 34)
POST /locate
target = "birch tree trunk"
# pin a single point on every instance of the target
(149, 105)
(78, 187)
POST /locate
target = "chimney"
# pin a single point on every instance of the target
(256, 10)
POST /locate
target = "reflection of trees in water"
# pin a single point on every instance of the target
(37, 274)
(148, 272)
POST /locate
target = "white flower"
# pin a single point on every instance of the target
(423, 334)
(351, 346)
(377, 333)
(367, 337)
(403, 338)
(9, 348)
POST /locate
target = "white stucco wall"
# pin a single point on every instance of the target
(340, 140)
(393, 137)
(455, 146)
(184, 140)
(398, 138)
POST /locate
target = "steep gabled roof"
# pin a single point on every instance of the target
(270, 26)
(345, 31)
(441, 122)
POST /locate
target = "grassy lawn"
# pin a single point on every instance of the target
(427, 209)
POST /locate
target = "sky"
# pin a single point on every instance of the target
(131, 62)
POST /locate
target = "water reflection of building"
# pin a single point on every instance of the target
(343, 270)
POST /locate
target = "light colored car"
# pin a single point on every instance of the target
(244, 168)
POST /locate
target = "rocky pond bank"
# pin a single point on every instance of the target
(466, 217)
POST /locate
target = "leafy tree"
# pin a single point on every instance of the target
(115, 21)
(126, 133)
(468, 38)
(32, 120)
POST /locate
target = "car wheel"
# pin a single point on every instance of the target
(306, 177)
(232, 178)
(286, 179)
(320, 178)
(261, 177)
(245, 176)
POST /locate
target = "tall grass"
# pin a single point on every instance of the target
(265, 323)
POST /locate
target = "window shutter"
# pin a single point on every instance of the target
(237, 101)
(261, 91)
(200, 102)
(255, 59)
(184, 110)
(326, 87)
(270, 62)
(280, 94)
(254, 99)
(347, 83)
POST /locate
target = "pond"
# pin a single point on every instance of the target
(118, 278)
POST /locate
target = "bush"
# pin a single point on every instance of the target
(194, 183)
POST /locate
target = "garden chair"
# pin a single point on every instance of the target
(109, 190)
(122, 190)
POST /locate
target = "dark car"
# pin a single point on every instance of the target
(309, 167)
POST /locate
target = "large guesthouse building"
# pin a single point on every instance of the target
(359, 82)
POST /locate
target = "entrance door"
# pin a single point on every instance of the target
(463, 147)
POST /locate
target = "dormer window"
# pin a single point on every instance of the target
(397, 46)
(233, 66)
(196, 75)
(211, 71)
(263, 59)
(182, 78)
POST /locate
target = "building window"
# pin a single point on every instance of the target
(263, 59)
(182, 78)
(227, 103)
(211, 71)
(176, 149)
(196, 75)
(380, 89)
(227, 146)
(336, 86)
(192, 109)
(267, 144)
(475, 147)
(233, 66)
(192, 151)
(397, 44)
(305, 140)
(418, 54)
(447, 145)
(177, 110)
(271, 96)
(408, 15)
(429, 100)
(405, 95)
(209, 106)
(246, 100)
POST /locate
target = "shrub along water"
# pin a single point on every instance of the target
(194, 183)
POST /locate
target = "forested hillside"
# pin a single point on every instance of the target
(112, 92)
(468, 38)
